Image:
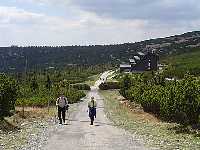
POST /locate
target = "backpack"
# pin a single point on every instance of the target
(65, 101)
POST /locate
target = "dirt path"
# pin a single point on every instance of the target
(79, 135)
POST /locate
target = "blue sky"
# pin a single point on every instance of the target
(84, 22)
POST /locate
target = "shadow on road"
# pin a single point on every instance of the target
(96, 122)
(100, 107)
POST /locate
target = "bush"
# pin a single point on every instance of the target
(74, 96)
(8, 94)
(81, 86)
(151, 99)
(109, 85)
(174, 100)
(41, 98)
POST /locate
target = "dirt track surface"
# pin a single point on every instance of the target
(103, 135)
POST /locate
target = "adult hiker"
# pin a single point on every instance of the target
(62, 104)
(92, 109)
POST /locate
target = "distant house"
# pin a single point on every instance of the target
(141, 62)
(125, 68)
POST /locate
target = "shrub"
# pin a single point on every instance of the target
(81, 86)
(8, 94)
(174, 100)
(74, 96)
(109, 85)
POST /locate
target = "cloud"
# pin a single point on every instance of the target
(20, 17)
(19, 26)
(142, 9)
(43, 2)
(14, 15)
(81, 22)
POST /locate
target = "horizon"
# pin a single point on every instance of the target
(97, 44)
(73, 22)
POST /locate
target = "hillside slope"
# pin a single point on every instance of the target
(188, 62)
(13, 58)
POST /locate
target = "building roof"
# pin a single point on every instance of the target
(125, 66)
(136, 57)
(132, 60)
(140, 53)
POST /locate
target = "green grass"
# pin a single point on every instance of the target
(154, 133)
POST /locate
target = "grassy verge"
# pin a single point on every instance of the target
(154, 132)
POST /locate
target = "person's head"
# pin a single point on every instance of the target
(92, 98)
(61, 93)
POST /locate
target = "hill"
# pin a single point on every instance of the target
(183, 63)
(14, 57)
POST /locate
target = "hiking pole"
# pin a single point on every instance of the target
(68, 117)
(55, 116)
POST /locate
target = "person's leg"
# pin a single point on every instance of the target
(63, 115)
(59, 114)
(92, 120)
(95, 113)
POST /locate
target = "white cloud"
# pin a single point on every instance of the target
(13, 15)
(95, 22)
(44, 2)
(18, 26)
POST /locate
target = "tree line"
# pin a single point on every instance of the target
(12, 59)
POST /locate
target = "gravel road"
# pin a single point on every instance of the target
(103, 135)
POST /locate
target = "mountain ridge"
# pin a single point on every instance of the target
(14, 57)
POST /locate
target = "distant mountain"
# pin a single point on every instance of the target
(14, 57)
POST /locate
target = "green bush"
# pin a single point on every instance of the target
(8, 94)
(151, 99)
(74, 96)
(171, 100)
(81, 86)
(109, 85)
(42, 97)
(40, 87)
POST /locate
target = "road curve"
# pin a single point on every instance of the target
(80, 135)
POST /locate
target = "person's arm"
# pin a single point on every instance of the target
(66, 104)
(66, 101)
(57, 101)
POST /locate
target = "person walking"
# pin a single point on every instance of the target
(62, 105)
(92, 109)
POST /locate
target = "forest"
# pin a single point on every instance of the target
(13, 58)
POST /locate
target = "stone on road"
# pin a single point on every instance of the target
(103, 135)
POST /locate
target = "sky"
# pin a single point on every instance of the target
(89, 22)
